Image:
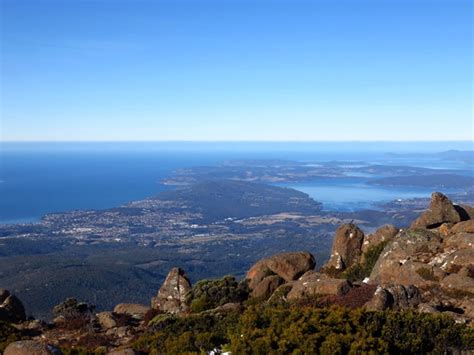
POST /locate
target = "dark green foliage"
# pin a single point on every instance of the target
(298, 329)
(84, 351)
(209, 294)
(363, 269)
(196, 333)
(339, 330)
(8, 334)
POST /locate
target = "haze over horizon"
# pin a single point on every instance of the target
(264, 70)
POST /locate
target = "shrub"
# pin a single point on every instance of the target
(208, 294)
(303, 329)
(338, 330)
(195, 333)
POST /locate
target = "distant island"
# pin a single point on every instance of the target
(433, 180)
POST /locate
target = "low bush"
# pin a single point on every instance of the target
(209, 294)
(305, 329)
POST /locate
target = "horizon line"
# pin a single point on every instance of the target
(242, 141)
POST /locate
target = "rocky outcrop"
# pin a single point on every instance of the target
(384, 234)
(30, 347)
(106, 320)
(134, 310)
(288, 266)
(459, 282)
(395, 297)
(346, 249)
(172, 295)
(406, 259)
(441, 210)
(11, 308)
(463, 227)
(437, 257)
(267, 286)
(314, 283)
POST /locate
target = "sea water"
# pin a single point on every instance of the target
(41, 178)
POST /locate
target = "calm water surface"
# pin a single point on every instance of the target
(36, 179)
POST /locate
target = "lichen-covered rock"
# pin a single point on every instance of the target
(71, 309)
(11, 308)
(171, 296)
(463, 227)
(289, 266)
(30, 347)
(402, 259)
(383, 234)
(459, 282)
(267, 286)
(381, 300)
(133, 310)
(441, 210)
(346, 249)
(106, 320)
(395, 297)
(313, 283)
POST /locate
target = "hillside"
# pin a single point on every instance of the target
(219, 199)
(431, 181)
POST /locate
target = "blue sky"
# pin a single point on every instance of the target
(236, 70)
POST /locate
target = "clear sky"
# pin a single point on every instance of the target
(236, 70)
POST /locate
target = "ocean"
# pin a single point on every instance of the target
(41, 178)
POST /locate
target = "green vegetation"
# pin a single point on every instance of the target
(219, 199)
(340, 330)
(8, 334)
(84, 351)
(209, 294)
(296, 329)
(195, 333)
(363, 269)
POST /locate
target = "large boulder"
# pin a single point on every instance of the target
(441, 210)
(106, 320)
(30, 347)
(383, 234)
(394, 297)
(405, 260)
(463, 227)
(460, 241)
(11, 308)
(313, 283)
(267, 286)
(346, 249)
(134, 310)
(289, 266)
(171, 296)
(461, 283)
